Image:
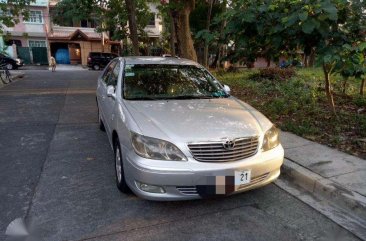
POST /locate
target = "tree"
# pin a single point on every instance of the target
(11, 10)
(70, 11)
(130, 4)
(208, 23)
(255, 29)
(180, 11)
(271, 28)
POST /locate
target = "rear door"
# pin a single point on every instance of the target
(96, 58)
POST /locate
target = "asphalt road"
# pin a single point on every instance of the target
(57, 172)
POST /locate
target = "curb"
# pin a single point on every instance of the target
(14, 77)
(320, 186)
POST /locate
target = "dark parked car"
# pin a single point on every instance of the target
(9, 62)
(98, 60)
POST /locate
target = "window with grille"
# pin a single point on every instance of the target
(35, 17)
(37, 43)
(151, 20)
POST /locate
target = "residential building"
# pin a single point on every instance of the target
(30, 33)
(71, 42)
(37, 38)
(154, 27)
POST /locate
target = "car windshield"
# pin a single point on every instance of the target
(153, 82)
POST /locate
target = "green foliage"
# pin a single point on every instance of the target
(360, 101)
(299, 105)
(198, 20)
(274, 74)
(335, 29)
(10, 11)
(68, 11)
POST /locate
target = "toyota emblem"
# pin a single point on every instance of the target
(229, 145)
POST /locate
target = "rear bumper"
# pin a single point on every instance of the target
(183, 180)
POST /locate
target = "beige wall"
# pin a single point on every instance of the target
(87, 47)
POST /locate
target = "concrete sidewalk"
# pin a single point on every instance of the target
(328, 174)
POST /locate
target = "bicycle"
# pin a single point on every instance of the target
(5, 75)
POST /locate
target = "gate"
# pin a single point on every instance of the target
(40, 55)
(24, 54)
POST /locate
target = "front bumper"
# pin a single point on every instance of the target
(183, 180)
(19, 63)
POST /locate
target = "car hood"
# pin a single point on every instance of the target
(197, 120)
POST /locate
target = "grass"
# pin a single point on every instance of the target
(299, 105)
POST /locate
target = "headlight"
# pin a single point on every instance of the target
(271, 139)
(157, 149)
(17, 61)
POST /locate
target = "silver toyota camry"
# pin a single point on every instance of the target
(178, 134)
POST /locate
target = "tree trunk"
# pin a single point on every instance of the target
(216, 59)
(268, 60)
(172, 33)
(311, 58)
(205, 50)
(362, 87)
(132, 24)
(306, 60)
(328, 89)
(186, 48)
(221, 47)
(344, 87)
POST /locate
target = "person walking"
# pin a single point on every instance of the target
(53, 63)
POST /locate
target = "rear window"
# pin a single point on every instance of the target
(108, 55)
(93, 54)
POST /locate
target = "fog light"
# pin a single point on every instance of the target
(150, 188)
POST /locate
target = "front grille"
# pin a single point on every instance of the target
(188, 190)
(215, 151)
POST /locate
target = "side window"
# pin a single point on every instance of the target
(108, 72)
(114, 75)
(106, 56)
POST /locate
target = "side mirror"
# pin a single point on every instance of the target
(111, 91)
(227, 89)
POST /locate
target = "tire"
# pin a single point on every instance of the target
(96, 67)
(119, 171)
(9, 66)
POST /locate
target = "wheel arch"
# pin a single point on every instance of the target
(115, 138)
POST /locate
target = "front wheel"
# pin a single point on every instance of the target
(96, 67)
(9, 66)
(120, 176)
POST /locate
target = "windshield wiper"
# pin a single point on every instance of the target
(178, 97)
(143, 98)
(187, 97)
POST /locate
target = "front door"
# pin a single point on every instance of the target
(110, 103)
(102, 94)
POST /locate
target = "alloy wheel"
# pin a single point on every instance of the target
(9, 66)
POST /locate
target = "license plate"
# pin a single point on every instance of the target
(242, 178)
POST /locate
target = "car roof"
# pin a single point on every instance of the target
(158, 60)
